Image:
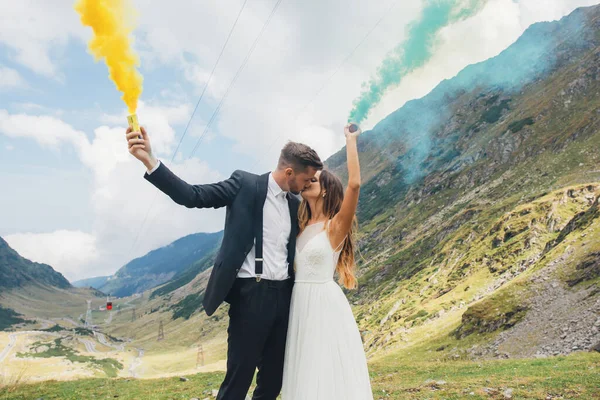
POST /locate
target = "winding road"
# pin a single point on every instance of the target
(102, 339)
(13, 340)
(90, 344)
(46, 323)
(69, 320)
(136, 363)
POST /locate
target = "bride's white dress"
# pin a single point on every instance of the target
(324, 358)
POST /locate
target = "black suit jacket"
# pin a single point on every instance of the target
(244, 195)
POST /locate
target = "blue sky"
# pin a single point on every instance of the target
(72, 195)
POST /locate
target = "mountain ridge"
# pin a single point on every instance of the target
(96, 282)
(452, 253)
(163, 264)
(17, 271)
(479, 229)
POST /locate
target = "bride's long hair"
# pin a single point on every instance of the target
(332, 202)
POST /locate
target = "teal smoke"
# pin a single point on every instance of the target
(414, 52)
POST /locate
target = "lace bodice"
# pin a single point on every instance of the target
(315, 260)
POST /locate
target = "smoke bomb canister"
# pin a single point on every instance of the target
(353, 128)
(132, 120)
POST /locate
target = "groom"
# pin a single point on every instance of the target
(253, 271)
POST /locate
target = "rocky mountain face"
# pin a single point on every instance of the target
(21, 283)
(479, 212)
(479, 223)
(163, 264)
(17, 272)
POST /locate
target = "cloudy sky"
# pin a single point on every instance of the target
(74, 198)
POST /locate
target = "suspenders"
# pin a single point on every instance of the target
(261, 195)
(258, 242)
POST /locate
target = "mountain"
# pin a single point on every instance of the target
(31, 291)
(185, 276)
(16, 271)
(479, 219)
(96, 282)
(163, 264)
(483, 193)
(479, 238)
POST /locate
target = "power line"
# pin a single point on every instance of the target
(210, 77)
(231, 84)
(337, 69)
(191, 117)
(349, 56)
(238, 73)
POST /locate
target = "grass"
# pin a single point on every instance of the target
(494, 113)
(394, 377)
(188, 275)
(376, 196)
(10, 382)
(110, 366)
(516, 126)
(493, 213)
(420, 314)
(199, 386)
(501, 310)
(435, 273)
(55, 328)
(186, 307)
(574, 376)
(8, 318)
(587, 271)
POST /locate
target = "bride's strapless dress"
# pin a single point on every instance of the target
(324, 358)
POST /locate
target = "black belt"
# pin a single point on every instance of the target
(272, 284)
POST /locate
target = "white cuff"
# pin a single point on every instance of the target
(155, 167)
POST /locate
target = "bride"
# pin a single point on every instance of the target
(324, 357)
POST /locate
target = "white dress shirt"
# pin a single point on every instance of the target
(276, 235)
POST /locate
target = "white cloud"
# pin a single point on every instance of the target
(273, 100)
(531, 11)
(127, 207)
(120, 197)
(68, 250)
(300, 50)
(158, 121)
(46, 130)
(37, 31)
(497, 26)
(10, 78)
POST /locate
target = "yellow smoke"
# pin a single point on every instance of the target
(111, 21)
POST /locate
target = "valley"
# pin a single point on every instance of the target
(478, 262)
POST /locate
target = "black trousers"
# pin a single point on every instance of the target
(258, 323)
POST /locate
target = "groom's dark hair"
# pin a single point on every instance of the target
(299, 156)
